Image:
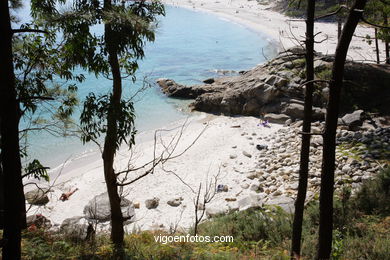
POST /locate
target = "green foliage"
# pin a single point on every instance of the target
(271, 225)
(298, 8)
(128, 25)
(258, 234)
(374, 195)
(95, 112)
(36, 170)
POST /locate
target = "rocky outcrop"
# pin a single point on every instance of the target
(98, 209)
(77, 228)
(277, 87)
(37, 197)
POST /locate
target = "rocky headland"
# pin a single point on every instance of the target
(277, 88)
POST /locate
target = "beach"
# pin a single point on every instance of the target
(284, 31)
(221, 150)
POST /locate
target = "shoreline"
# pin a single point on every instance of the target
(281, 29)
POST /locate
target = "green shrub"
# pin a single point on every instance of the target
(374, 195)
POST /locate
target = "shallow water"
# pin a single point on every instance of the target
(189, 47)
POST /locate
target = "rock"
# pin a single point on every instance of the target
(254, 187)
(288, 122)
(276, 118)
(251, 201)
(230, 199)
(354, 119)
(152, 203)
(286, 203)
(215, 211)
(222, 188)
(99, 209)
(39, 221)
(232, 156)
(293, 110)
(37, 197)
(173, 89)
(252, 175)
(346, 169)
(137, 205)
(247, 154)
(209, 81)
(245, 185)
(77, 228)
(175, 202)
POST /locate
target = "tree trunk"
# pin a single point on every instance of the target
(377, 46)
(14, 202)
(387, 49)
(339, 24)
(109, 150)
(332, 113)
(306, 128)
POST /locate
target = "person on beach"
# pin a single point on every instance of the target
(66, 195)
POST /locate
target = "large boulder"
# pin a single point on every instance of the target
(286, 203)
(294, 110)
(354, 119)
(276, 118)
(37, 197)
(99, 209)
(39, 221)
(77, 228)
(251, 201)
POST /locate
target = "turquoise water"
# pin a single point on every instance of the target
(189, 47)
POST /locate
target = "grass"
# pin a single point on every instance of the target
(361, 231)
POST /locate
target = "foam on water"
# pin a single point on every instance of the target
(189, 47)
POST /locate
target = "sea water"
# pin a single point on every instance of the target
(190, 46)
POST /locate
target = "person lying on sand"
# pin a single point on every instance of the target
(66, 195)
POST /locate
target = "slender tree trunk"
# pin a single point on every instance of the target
(14, 203)
(377, 46)
(332, 113)
(306, 128)
(117, 232)
(339, 23)
(387, 49)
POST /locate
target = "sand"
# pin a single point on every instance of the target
(218, 151)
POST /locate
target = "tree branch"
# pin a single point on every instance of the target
(29, 30)
(373, 24)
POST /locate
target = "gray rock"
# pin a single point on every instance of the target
(247, 154)
(99, 209)
(251, 201)
(152, 203)
(77, 228)
(175, 202)
(276, 118)
(286, 203)
(232, 156)
(37, 197)
(354, 119)
(215, 211)
(293, 110)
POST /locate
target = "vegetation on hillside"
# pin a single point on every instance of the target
(361, 223)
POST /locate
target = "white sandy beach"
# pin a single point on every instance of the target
(210, 154)
(219, 148)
